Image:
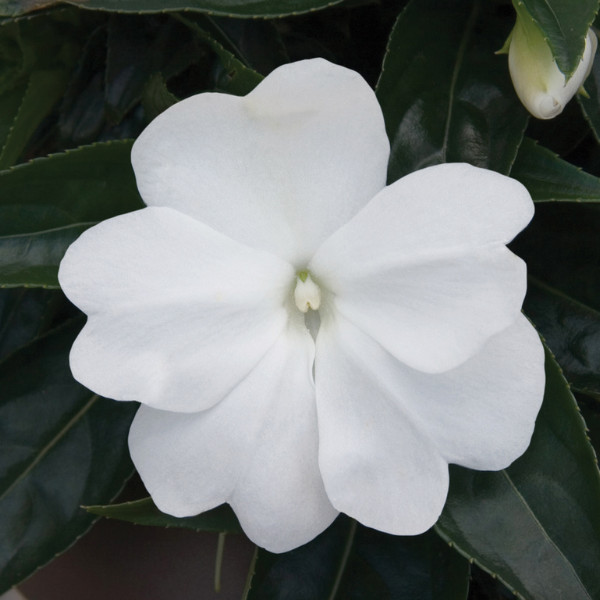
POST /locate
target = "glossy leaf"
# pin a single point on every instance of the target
(25, 314)
(352, 562)
(46, 204)
(139, 47)
(9, 108)
(61, 446)
(445, 95)
(144, 512)
(592, 420)
(536, 525)
(156, 98)
(256, 43)
(572, 331)
(228, 8)
(549, 178)
(82, 112)
(44, 90)
(565, 25)
(591, 105)
(561, 249)
(237, 78)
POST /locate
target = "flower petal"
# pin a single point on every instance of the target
(480, 415)
(257, 450)
(387, 431)
(178, 313)
(423, 268)
(377, 466)
(280, 169)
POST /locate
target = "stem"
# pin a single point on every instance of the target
(250, 574)
(344, 560)
(219, 561)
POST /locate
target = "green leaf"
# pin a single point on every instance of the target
(227, 8)
(560, 247)
(592, 420)
(156, 98)
(82, 113)
(43, 92)
(536, 525)
(144, 512)
(137, 48)
(256, 43)
(591, 105)
(445, 95)
(548, 178)
(572, 331)
(61, 447)
(9, 108)
(25, 314)
(564, 24)
(352, 562)
(46, 204)
(237, 78)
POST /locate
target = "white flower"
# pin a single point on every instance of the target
(540, 85)
(260, 210)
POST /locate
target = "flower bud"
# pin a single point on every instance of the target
(541, 86)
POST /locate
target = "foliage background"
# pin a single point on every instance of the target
(80, 80)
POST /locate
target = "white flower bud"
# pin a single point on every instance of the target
(540, 85)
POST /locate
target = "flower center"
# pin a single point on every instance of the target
(307, 293)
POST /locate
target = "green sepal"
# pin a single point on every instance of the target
(506, 47)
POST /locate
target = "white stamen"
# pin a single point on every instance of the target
(307, 293)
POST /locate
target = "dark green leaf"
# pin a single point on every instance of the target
(237, 78)
(256, 43)
(9, 108)
(82, 112)
(43, 92)
(591, 105)
(25, 314)
(549, 178)
(561, 249)
(227, 8)
(61, 447)
(536, 524)
(137, 48)
(156, 98)
(352, 562)
(445, 95)
(592, 420)
(571, 330)
(565, 24)
(563, 134)
(46, 204)
(144, 512)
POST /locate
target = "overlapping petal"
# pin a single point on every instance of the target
(423, 267)
(377, 465)
(257, 450)
(178, 313)
(387, 432)
(280, 169)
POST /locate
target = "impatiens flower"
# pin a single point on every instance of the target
(303, 339)
(541, 86)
